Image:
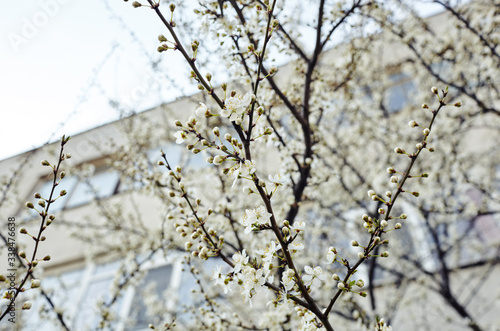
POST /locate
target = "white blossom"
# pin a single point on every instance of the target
(288, 280)
(253, 218)
(180, 136)
(239, 259)
(244, 169)
(277, 179)
(201, 110)
(236, 106)
(311, 273)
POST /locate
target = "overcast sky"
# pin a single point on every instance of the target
(62, 61)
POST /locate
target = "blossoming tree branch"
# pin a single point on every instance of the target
(270, 264)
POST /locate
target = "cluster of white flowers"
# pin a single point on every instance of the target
(268, 254)
(250, 279)
(312, 273)
(236, 106)
(241, 169)
(307, 322)
(254, 218)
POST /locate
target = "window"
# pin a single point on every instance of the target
(177, 155)
(399, 94)
(95, 285)
(101, 185)
(78, 292)
(105, 182)
(160, 280)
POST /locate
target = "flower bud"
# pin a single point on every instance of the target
(434, 90)
(27, 305)
(385, 254)
(268, 131)
(218, 159)
(398, 226)
(458, 104)
(194, 45)
(35, 283)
